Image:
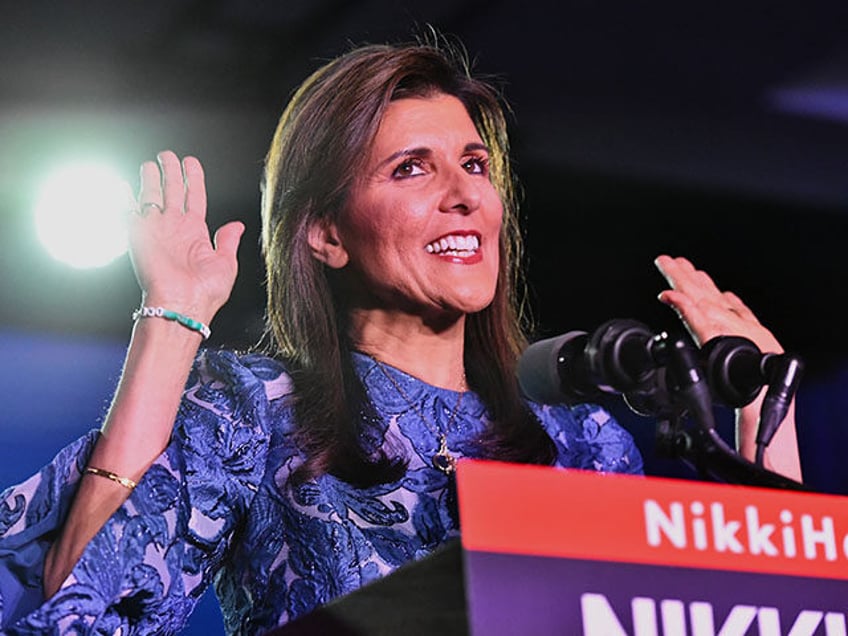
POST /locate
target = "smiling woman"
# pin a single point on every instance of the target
(324, 459)
(424, 192)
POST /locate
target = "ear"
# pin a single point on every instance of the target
(326, 244)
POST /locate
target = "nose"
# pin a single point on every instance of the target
(461, 192)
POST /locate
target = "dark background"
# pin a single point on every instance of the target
(716, 131)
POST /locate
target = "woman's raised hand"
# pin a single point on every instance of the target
(177, 264)
(706, 310)
(181, 269)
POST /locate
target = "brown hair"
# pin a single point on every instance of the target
(318, 150)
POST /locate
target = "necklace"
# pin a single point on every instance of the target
(442, 459)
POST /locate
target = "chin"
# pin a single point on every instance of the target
(475, 304)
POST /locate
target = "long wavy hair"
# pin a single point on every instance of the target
(319, 148)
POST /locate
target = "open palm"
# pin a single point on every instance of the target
(177, 263)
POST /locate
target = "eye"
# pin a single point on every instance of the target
(477, 165)
(409, 168)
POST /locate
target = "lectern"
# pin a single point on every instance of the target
(423, 598)
(550, 551)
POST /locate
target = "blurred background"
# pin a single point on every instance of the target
(718, 131)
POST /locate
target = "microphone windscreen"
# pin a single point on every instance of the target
(539, 367)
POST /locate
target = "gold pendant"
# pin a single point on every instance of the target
(443, 460)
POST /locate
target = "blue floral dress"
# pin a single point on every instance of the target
(218, 506)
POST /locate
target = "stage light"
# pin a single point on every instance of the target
(81, 213)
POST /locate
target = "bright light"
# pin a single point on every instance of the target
(80, 215)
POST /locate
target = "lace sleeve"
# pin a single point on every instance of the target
(587, 436)
(148, 566)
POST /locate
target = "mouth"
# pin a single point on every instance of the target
(458, 245)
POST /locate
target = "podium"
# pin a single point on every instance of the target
(423, 598)
(548, 551)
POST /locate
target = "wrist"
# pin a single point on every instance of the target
(196, 308)
(164, 313)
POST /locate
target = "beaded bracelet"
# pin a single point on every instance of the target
(126, 482)
(185, 321)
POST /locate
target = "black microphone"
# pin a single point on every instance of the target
(736, 369)
(554, 370)
(623, 356)
(578, 367)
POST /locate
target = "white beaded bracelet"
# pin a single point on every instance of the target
(185, 321)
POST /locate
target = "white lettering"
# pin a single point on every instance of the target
(600, 619)
(724, 532)
(768, 621)
(834, 624)
(806, 623)
(699, 526)
(658, 524)
(644, 612)
(736, 624)
(673, 617)
(826, 536)
(669, 525)
(790, 549)
(759, 541)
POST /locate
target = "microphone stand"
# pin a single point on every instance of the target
(687, 392)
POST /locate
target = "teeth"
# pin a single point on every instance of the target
(454, 243)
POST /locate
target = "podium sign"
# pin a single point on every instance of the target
(568, 552)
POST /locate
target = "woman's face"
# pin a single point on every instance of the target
(420, 232)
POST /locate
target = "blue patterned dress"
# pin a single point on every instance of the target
(218, 507)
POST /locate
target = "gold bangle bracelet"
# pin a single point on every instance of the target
(126, 482)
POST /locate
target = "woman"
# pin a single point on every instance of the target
(390, 241)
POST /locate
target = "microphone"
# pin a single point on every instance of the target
(668, 377)
(554, 370)
(577, 367)
(623, 356)
(737, 370)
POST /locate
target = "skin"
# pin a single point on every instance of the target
(707, 312)
(178, 267)
(409, 304)
(426, 179)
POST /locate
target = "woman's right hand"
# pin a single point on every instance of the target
(181, 269)
(176, 263)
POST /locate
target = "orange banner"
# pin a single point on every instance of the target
(534, 510)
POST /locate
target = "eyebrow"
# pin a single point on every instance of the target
(423, 151)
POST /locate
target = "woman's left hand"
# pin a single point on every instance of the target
(706, 310)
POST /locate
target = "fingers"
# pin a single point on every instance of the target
(682, 276)
(172, 183)
(694, 285)
(150, 193)
(195, 187)
(176, 192)
(705, 310)
(227, 238)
